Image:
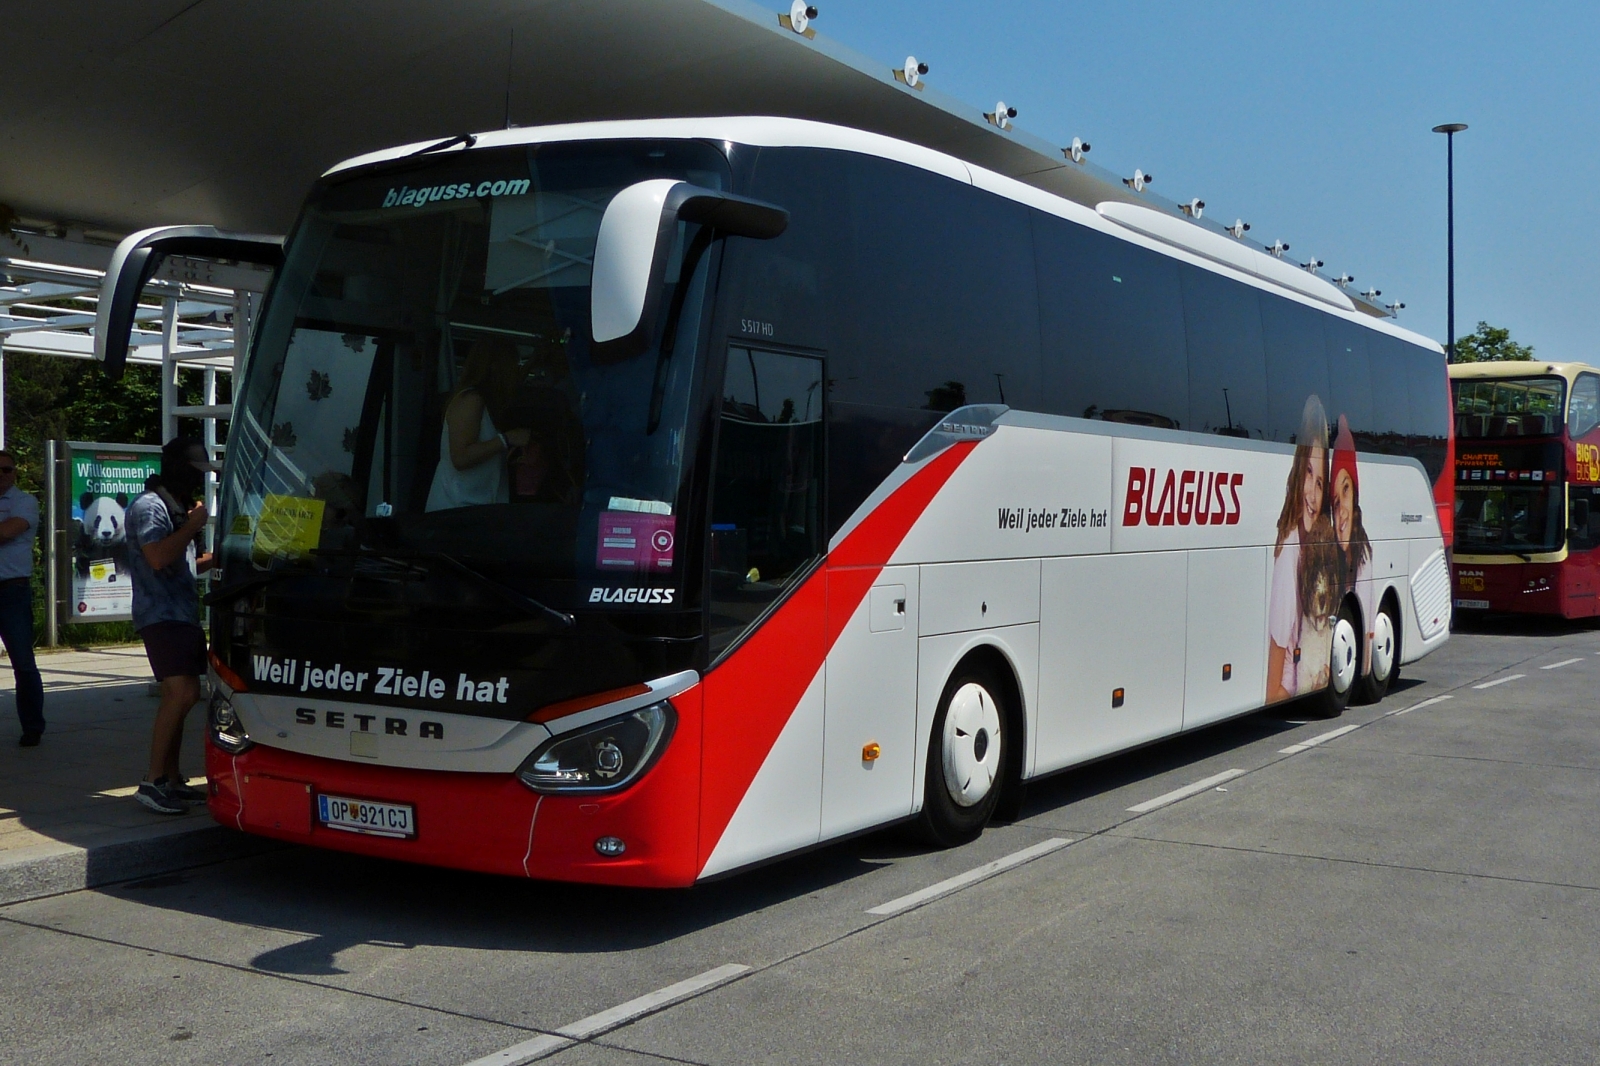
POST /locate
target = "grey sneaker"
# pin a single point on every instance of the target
(183, 791)
(159, 798)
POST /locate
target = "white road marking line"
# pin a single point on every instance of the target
(1185, 792)
(1499, 681)
(1563, 662)
(527, 1051)
(1419, 706)
(1295, 749)
(547, 1043)
(971, 877)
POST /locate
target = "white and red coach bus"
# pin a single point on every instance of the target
(637, 502)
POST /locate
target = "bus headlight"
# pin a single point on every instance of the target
(603, 757)
(227, 732)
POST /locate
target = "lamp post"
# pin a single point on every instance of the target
(1450, 129)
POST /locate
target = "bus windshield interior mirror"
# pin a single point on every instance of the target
(136, 261)
(635, 240)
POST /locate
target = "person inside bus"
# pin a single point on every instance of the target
(1304, 497)
(472, 447)
(1350, 534)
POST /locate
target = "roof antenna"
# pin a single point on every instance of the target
(511, 52)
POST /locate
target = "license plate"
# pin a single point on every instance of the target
(364, 816)
(1473, 605)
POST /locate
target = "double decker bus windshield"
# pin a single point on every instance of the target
(1509, 407)
(422, 382)
(1517, 519)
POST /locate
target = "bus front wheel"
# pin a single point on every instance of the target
(966, 758)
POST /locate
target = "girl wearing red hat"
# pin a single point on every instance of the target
(1355, 550)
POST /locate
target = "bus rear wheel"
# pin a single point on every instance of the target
(1344, 665)
(1384, 656)
(966, 758)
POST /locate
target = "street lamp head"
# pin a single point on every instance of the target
(1450, 127)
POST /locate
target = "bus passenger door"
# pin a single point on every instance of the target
(870, 709)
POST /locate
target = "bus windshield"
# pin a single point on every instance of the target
(1515, 519)
(421, 380)
(1509, 407)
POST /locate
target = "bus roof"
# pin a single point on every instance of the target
(1523, 368)
(1141, 223)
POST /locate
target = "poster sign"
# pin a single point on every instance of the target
(105, 478)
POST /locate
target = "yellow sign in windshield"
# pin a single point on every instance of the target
(289, 527)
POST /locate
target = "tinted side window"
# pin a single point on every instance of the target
(1297, 365)
(1111, 314)
(1227, 360)
(1349, 373)
(789, 289)
(1391, 398)
(941, 301)
(1584, 412)
(766, 498)
(1430, 407)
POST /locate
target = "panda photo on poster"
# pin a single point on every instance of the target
(104, 479)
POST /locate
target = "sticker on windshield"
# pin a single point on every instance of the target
(405, 196)
(636, 541)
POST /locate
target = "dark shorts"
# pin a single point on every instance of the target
(175, 649)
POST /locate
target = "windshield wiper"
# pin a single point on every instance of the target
(506, 592)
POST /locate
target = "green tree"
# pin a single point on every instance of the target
(1491, 344)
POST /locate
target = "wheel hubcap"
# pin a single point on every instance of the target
(1345, 657)
(971, 745)
(1382, 647)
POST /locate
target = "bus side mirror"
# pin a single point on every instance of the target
(135, 262)
(635, 239)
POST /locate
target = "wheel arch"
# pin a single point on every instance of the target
(995, 657)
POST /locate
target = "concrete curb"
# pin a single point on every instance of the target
(51, 869)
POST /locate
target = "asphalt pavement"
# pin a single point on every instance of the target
(1415, 882)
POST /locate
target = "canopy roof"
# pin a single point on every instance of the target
(121, 114)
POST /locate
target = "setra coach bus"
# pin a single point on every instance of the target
(635, 502)
(1527, 473)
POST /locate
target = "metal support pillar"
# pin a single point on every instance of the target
(52, 545)
(169, 368)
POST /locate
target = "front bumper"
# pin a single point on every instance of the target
(489, 823)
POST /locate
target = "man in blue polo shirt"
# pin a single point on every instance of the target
(19, 523)
(164, 525)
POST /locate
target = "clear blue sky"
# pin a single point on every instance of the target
(1311, 121)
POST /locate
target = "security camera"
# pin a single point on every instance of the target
(800, 16)
(1311, 266)
(1371, 295)
(1194, 208)
(1076, 150)
(1344, 280)
(912, 72)
(1277, 248)
(1002, 115)
(1139, 180)
(1239, 228)
(1395, 308)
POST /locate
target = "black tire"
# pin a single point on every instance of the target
(965, 773)
(1384, 667)
(1343, 667)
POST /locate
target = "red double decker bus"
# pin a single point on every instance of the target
(1527, 463)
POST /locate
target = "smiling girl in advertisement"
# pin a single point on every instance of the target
(1297, 524)
(1350, 534)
